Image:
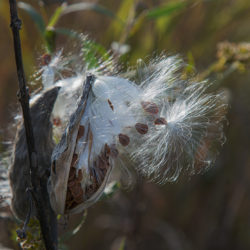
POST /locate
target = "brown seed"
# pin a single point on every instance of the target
(54, 167)
(80, 132)
(160, 121)
(90, 190)
(124, 139)
(57, 121)
(79, 199)
(94, 184)
(96, 180)
(141, 128)
(79, 176)
(74, 159)
(111, 105)
(46, 59)
(150, 107)
(103, 173)
(107, 151)
(71, 184)
(68, 196)
(102, 163)
(72, 172)
(77, 190)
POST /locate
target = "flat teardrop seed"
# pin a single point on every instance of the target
(150, 107)
(102, 163)
(141, 128)
(54, 167)
(124, 139)
(77, 190)
(110, 105)
(57, 121)
(72, 172)
(68, 196)
(160, 121)
(71, 184)
(90, 190)
(79, 175)
(106, 150)
(74, 159)
(46, 59)
(80, 132)
(79, 199)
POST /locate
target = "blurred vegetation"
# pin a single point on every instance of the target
(210, 211)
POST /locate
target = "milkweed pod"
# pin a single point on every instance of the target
(161, 127)
(74, 189)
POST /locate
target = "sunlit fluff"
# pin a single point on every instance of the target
(192, 129)
(194, 118)
(186, 130)
(161, 126)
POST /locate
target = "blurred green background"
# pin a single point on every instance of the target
(209, 211)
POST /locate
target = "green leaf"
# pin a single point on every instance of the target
(36, 17)
(50, 40)
(55, 17)
(88, 6)
(165, 10)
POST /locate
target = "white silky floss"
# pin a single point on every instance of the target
(106, 115)
(163, 124)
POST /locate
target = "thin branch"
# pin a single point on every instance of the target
(23, 95)
(38, 184)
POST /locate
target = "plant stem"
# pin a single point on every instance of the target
(38, 184)
(23, 95)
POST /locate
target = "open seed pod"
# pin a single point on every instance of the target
(160, 127)
(64, 181)
(85, 156)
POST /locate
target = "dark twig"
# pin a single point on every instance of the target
(23, 95)
(37, 184)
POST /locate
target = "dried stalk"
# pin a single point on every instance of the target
(37, 184)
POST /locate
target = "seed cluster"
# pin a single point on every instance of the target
(76, 194)
(74, 190)
(98, 172)
(150, 108)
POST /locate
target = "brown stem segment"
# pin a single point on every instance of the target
(23, 95)
(38, 184)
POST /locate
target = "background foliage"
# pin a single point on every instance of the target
(210, 211)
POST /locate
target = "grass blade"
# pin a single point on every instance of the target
(88, 6)
(165, 10)
(55, 17)
(36, 17)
